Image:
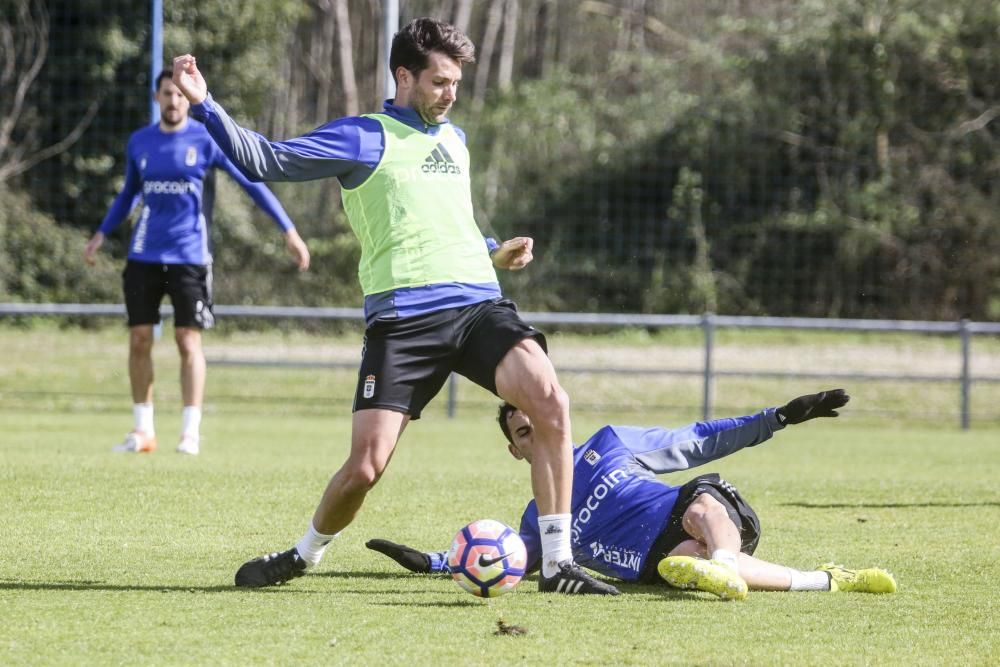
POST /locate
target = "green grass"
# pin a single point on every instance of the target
(129, 559)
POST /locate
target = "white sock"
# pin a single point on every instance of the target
(312, 545)
(809, 581)
(142, 415)
(191, 421)
(727, 558)
(556, 548)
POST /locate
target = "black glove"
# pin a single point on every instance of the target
(810, 406)
(411, 559)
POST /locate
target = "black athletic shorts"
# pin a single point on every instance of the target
(739, 511)
(406, 361)
(188, 285)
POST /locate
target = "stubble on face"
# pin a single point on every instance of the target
(173, 106)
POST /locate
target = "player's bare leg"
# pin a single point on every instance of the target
(760, 575)
(192, 357)
(140, 362)
(526, 378)
(714, 536)
(706, 520)
(374, 434)
(142, 437)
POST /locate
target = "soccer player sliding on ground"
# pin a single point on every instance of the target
(629, 525)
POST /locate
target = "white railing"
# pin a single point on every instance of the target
(709, 323)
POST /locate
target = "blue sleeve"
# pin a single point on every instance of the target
(669, 450)
(438, 562)
(125, 200)
(259, 193)
(348, 149)
(531, 537)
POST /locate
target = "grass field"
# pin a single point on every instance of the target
(109, 559)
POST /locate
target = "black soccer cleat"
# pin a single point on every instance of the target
(573, 580)
(271, 569)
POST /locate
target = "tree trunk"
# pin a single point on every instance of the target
(486, 53)
(463, 12)
(537, 66)
(348, 82)
(505, 74)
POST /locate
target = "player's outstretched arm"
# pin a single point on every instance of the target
(810, 406)
(408, 557)
(514, 254)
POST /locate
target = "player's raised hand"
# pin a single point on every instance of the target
(514, 254)
(187, 77)
(298, 248)
(93, 245)
(810, 406)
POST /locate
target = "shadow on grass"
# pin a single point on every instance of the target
(462, 604)
(8, 585)
(353, 574)
(653, 592)
(888, 505)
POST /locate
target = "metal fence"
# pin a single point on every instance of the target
(963, 330)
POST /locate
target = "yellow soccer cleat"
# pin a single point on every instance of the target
(703, 575)
(869, 580)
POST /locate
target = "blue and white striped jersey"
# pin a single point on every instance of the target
(171, 174)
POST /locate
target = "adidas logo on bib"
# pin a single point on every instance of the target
(440, 162)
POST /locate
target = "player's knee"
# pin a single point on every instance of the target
(188, 342)
(703, 510)
(551, 408)
(140, 341)
(363, 475)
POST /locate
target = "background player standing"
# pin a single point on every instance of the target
(168, 163)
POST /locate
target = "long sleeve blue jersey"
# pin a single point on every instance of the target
(172, 173)
(619, 507)
(348, 149)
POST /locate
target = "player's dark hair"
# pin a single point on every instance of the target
(164, 74)
(506, 410)
(412, 45)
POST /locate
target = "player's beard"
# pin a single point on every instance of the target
(433, 114)
(172, 118)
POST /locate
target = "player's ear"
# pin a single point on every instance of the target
(404, 77)
(515, 452)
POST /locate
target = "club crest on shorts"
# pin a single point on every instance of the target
(369, 389)
(191, 157)
(591, 457)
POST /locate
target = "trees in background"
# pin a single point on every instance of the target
(829, 158)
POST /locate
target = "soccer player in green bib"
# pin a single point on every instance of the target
(432, 301)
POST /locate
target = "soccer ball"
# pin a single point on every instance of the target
(487, 558)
